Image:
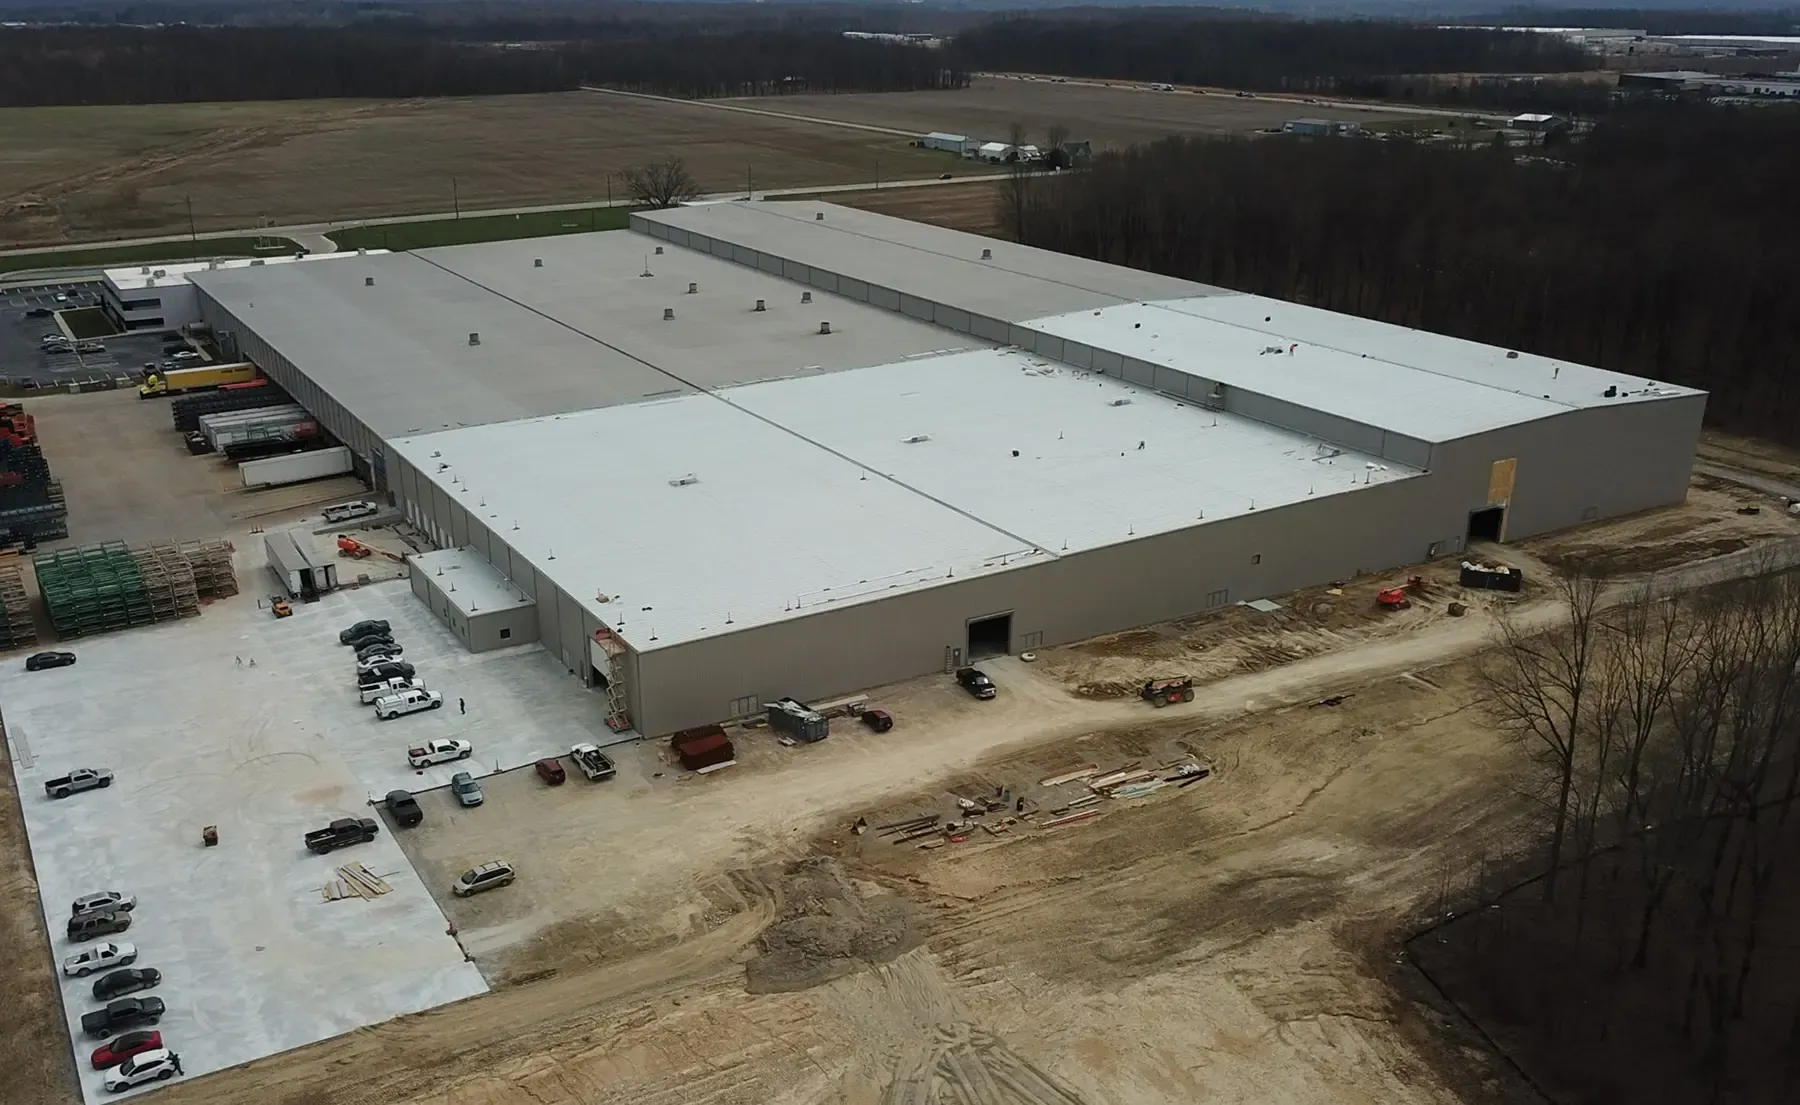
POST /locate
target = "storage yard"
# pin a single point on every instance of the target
(694, 592)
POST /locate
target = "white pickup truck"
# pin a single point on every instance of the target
(439, 752)
(593, 763)
(387, 688)
(407, 702)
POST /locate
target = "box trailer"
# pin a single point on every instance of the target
(177, 380)
(295, 467)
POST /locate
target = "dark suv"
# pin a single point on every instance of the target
(122, 1014)
(362, 629)
(976, 682)
(398, 669)
(103, 923)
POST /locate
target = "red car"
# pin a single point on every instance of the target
(551, 771)
(119, 1049)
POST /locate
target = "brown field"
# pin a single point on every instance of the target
(973, 207)
(93, 173)
(1107, 117)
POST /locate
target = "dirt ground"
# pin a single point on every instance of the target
(970, 207)
(86, 173)
(31, 1023)
(1107, 117)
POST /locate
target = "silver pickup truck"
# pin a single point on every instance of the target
(82, 778)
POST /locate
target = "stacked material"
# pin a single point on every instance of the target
(98, 588)
(214, 577)
(31, 503)
(16, 626)
(187, 411)
(168, 581)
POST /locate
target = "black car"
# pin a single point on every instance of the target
(976, 682)
(388, 647)
(397, 669)
(362, 629)
(39, 312)
(373, 637)
(41, 660)
(122, 1014)
(129, 981)
(404, 808)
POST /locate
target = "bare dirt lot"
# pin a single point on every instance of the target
(973, 207)
(85, 173)
(1107, 117)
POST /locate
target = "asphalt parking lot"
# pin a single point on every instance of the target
(22, 360)
(252, 724)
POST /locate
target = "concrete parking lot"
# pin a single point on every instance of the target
(249, 723)
(24, 363)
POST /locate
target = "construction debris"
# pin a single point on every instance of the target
(16, 627)
(1070, 819)
(1082, 772)
(355, 881)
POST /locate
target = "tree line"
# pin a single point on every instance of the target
(70, 65)
(1652, 961)
(1661, 245)
(1251, 52)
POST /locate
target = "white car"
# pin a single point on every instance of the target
(439, 752)
(387, 688)
(156, 1065)
(184, 356)
(407, 702)
(343, 512)
(100, 957)
(373, 661)
(103, 900)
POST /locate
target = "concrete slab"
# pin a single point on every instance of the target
(253, 960)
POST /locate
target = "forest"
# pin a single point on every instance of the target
(1650, 958)
(1661, 244)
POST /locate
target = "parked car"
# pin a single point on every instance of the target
(344, 512)
(341, 833)
(407, 702)
(155, 1065)
(61, 298)
(361, 629)
(593, 763)
(128, 981)
(879, 720)
(404, 808)
(82, 778)
(39, 312)
(120, 1048)
(368, 673)
(186, 356)
(90, 347)
(102, 900)
(976, 682)
(43, 661)
(372, 637)
(466, 789)
(98, 958)
(105, 923)
(382, 688)
(486, 877)
(550, 770)
(385, 647)
(440, 751)
(122, 1014)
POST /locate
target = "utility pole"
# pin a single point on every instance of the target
(609, 189)
(193, 235)
(878, 174)
(455, 198)
(749, 185)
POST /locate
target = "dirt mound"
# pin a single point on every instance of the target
(826, 928)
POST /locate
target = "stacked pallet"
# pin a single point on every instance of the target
(186, 412)
(16, 627)
(31, 503)
(168, 581)
(93, 589)
(214, 577)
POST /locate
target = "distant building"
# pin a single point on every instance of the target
(1690, 80)
(1535, 123)
(954, 143)
(993, 151)
(928, 41)
(1320, 128)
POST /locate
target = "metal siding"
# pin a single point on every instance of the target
(769, 263)
(1079, 355)
(989, 329)
(882, 297)
(1406, 450)
(825, 280)
(478, 538)
(549, 624)
(795, 271)
(918, 308)
(853, 289)
(458, 524)
(951, 317)
(1105, 360)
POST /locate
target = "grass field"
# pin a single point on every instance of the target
(130, 255)
(1107, 117)
(88, 322)
(71, 174)
(486, 228)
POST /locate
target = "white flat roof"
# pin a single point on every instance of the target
(1427, 386)
(135, 277)
(807, 494)
(469, 582)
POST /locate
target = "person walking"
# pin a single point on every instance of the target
(461, 706)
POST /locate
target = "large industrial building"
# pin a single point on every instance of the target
(751, 450)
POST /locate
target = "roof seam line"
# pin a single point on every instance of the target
(904, 486)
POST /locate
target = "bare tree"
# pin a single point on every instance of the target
(1016, 195)
(1056, 146)
(659, 184)
(1538, 689)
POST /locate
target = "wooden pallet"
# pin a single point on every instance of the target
(355, 881)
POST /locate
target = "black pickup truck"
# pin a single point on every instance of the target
(122, 1014)
(341, 833)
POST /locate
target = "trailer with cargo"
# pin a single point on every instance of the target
(185, 413)
(257, 442)
(212, 425)
(174, 381)
(798, 720)
(295, 467)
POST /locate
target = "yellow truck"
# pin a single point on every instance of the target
(174, 381)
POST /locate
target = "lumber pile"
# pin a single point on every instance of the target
(355, 881)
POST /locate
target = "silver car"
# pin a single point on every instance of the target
(466, 789)
(103, 900)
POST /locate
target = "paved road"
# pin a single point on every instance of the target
(1231, 94)
(1756, 481)
(716, 105)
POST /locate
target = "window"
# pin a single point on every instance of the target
(505, 633)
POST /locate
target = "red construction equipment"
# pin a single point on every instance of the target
(1167, 692)
(352, 548)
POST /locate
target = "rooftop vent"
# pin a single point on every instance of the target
(668, 314)
(806, 297)
(1512, 354)
(987, 255)
(915, 439)
(299, 255)
(659, 251)
(818, 216)
(761, 306)
(1611, 392)
(211, 265)
(684, 481)
(361, 252)
(368, 281)
(257, 261)
(824, 327)
(474, 338)
(160, 272)
(1120, 403)
(537, 262)
(693, 287)
(145, 271)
